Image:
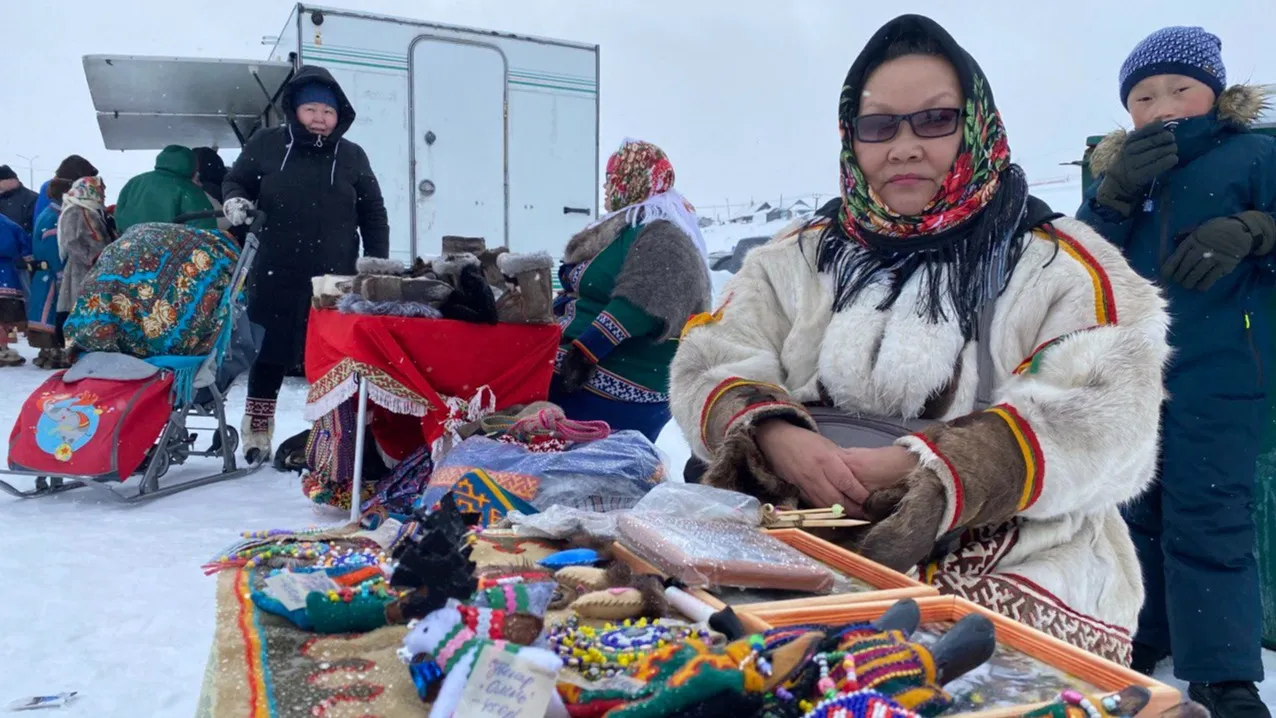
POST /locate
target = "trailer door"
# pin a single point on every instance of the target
(459, 146)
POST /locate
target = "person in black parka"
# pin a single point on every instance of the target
(17, 202)
(320, 198)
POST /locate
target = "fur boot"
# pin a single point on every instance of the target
(453, 244)
(258, 429)
(378, 265)
(530, 297)
(9, 357)
(426, 290)
(382, 289)
(490, 261)
(473, 300)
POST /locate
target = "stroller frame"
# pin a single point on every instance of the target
(175, 443)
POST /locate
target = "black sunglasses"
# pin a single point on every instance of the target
(935, 122)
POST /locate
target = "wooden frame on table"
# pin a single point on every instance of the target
(890, 585)
(1101, 673)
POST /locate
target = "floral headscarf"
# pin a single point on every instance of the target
(640, 184)
(87, 195)
(965, 242)
(635, 172)
(86, 192)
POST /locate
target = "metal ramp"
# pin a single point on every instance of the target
(147, 103)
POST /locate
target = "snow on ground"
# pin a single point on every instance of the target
(109, 600)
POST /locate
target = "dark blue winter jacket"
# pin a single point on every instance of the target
(1221, 337)
(14, 246)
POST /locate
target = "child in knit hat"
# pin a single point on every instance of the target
(1188, 195)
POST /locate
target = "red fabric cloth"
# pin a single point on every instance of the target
(426, 361)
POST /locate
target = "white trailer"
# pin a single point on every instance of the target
(470, 132)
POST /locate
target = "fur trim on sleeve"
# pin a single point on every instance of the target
(665, 276)
(729, 422)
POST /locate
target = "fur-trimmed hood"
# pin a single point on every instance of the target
(592, 240)
(1238, 105)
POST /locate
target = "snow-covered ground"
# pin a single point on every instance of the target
(110, 601)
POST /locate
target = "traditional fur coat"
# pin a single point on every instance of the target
(1078, 343)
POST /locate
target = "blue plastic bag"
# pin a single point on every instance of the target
(605, 475)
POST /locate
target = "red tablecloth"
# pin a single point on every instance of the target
(414, 365)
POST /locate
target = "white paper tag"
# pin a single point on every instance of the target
(503, 685)
(291, 589)
(384, 534)
(38, 702)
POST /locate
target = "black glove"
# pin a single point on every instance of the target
(1148, 151)
(575, 371)
(1216, 247)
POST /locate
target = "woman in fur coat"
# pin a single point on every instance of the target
(44, 320)
(883, 304)
(82, 235)
(630, 281)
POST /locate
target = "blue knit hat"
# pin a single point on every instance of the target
(1177, 50)
(315, 92)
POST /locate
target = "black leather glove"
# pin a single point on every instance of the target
(1148, 151)
(575, 371)
(1214, 249)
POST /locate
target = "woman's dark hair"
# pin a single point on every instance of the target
(903, 46)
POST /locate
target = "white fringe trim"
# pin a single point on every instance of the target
(669, 206)
(349, 388)
(329, 402)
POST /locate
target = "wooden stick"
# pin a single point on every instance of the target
(820, 523)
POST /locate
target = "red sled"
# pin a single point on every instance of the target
(93, 429)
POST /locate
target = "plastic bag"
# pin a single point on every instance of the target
(604, 475)
(705, 554)
(692, 501)
(563, 522)
(697, 502)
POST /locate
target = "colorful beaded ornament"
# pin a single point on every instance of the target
(861, 704)
(613, 648)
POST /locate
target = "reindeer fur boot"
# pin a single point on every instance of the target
(530, 298)
(490, 260)
(453, 244)
(473, 300)
(258, 429)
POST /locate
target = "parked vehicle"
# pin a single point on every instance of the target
(732, 260)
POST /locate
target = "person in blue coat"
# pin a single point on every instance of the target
(41, 201)
(15, 246)
(1188, 196)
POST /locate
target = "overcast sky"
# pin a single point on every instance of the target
(741, 93)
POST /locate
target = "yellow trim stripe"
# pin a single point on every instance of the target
(1031, 451)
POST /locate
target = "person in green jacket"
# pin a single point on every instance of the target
(164, 193)
(630, 282)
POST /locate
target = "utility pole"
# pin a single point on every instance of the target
(30, 168)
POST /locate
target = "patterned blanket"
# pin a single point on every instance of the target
(155, 291)
(261, 666)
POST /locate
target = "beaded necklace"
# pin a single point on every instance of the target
(609, 651)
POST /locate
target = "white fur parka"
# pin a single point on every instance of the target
(1078, 343)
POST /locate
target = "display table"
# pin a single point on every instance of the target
(409, 369)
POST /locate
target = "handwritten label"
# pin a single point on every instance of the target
(291, 589)
(503, 685)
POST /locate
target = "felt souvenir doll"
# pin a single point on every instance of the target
(453, 637)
